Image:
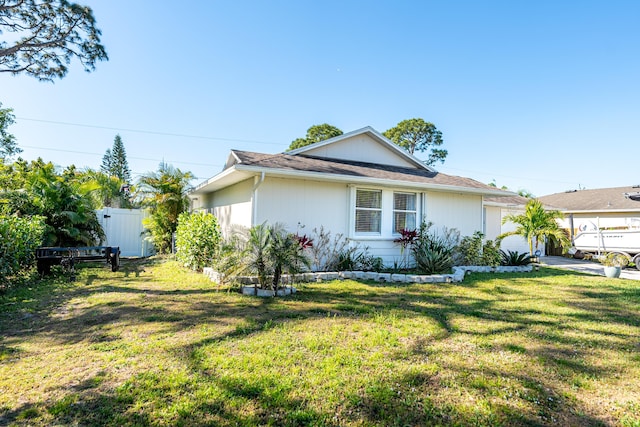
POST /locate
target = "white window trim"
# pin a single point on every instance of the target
(381, 210)
(386, 227)
(394, 210)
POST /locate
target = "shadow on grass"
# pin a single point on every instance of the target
(397, 400)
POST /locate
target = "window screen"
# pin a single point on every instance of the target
(368, 211)
(404, 211)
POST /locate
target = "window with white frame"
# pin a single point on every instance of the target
(368, 211)
(404, 211)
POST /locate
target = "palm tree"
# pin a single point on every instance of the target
(272, 251)
(108, 190)
(164, 192)
(537, 223)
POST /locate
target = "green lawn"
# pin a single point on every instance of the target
(155, 345)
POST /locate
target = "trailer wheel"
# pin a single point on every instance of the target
(636, 261)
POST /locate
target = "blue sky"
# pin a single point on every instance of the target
(542, 96)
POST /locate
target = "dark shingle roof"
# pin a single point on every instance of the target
(601, 199)
(357, 169)
(508, 200)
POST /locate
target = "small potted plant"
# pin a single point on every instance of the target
(613, 263)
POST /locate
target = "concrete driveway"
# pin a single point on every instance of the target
(590, 267)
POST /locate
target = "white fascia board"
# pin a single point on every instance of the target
(376, 135)
(350, 179)
(221, 180)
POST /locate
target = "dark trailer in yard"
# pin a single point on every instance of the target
(68, 257)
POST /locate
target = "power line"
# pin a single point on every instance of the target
(149, 132)
(129, 157)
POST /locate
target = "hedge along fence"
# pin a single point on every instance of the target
(19, 238)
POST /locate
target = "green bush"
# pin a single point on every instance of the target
(19, 238)
(272, 251)
(473, 251)
(197, 239)
(513, 258)
(434, 252)
(355, 259)
(491, 253)
(470, 249)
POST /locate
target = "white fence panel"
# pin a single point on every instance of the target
(123, 228)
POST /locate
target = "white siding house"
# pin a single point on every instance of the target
(495, 209)
(358, 184)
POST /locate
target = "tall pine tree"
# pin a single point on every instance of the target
(114, 162)
(106, 163)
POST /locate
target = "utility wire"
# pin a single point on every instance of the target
(128, 157)
(149, 132)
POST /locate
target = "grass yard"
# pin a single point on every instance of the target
(156, 345)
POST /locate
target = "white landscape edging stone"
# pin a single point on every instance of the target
(282, 291)
(456, 277)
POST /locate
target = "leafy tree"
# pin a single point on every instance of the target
(8, 145)
(46, 35)
(417, 135)
(521, 192)
(164, 192)
(525, 193)
(62, 199)
(536, 223)
(316, 133)
(108, 190)
(114, 161)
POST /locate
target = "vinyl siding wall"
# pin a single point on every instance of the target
(460, 211)
(232, 205)
(302, 205)
(360, 148)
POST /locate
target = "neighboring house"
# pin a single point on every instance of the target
(358, 184)
(603, 208)
(495, 209)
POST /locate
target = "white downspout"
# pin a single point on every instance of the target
(254, 199)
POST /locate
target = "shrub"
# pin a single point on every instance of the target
(19, 238)
(360, 260)
(614, 259)
(327, 251)
(272, 251)
(514, 258)
(434, 261)
(197, 239)
(470, 249)
(491, 253)
(473, 251)
(434, 252)
(229, 262)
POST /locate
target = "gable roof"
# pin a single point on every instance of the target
(616, 199)
(244, 164)
(374, 135)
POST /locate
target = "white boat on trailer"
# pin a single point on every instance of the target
(625, 241)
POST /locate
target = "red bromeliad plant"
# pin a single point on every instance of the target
(407, 238)
(304, 241)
